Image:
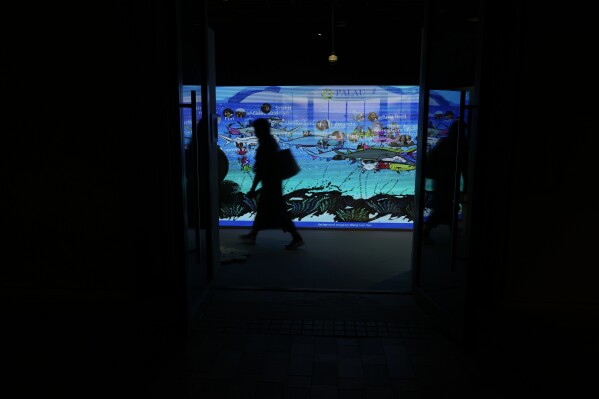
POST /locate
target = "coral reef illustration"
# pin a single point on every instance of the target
(317, 201)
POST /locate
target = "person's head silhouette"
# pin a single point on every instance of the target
(261, 128)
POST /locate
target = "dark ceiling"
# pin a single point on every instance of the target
(287, 42)
(313, 11)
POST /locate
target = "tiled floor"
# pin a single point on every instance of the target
(285, 344)
(378, 260)
(256, 344)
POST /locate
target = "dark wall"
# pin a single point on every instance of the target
(92, 276)
(535, 198)
(534, 287)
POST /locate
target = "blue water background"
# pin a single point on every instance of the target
(394, 106)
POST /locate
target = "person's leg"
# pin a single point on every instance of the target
(249, 238)
(296, 235)
(296, 238)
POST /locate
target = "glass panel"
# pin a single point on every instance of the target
(195, 244)
(442, 276)
(450, 76)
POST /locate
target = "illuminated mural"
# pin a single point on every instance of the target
(356, 146)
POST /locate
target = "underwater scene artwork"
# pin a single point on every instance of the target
(356, 146)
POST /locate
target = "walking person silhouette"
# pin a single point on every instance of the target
(271, 211)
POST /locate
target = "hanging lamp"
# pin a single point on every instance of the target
(332, 57)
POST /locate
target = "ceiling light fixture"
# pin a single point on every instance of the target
(332, 57)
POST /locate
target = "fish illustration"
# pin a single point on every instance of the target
(249, 141)
(249, 131)
(401, 167)
(303, 141)
(395, 158)
(326, 155)
(275, 131)
(372, 153)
